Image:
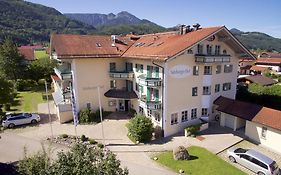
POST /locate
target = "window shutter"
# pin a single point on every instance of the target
(148, 94)
(148, 72)
(157, 72)
(157, 94)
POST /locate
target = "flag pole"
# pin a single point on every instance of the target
(101, 116)
(50, 119)
(75, 117)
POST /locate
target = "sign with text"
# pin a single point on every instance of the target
(180, 71)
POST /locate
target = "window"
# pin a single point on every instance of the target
(217, 87)
(193, 113)
(217, 49)
(226, 86)
(112, 103)
(200, 48)
(157, 116)
(204, 111)
(184, 116)
(139, 68)
(218, 69)
(112, 67)
(189, 51)
(228, 68)
(206, 90)
(88, 105)
(209, 49)
(224, 52)
(263, 132)
(174, 118)
(259, 163)
(194, 91)
(207, 70)
(112, 84)
(129, 67)
(195, 70)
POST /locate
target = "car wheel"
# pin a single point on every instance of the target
(232, 159)
(261, 173)
(33, 121)
(11, 125)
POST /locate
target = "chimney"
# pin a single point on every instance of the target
(181, 29)
(113, 38)
(196, 26)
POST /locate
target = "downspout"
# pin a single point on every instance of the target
(162, 110)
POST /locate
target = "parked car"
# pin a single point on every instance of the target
(253, 160)
(12, 120)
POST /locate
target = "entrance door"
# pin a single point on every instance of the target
(121, 105)
(126, 105)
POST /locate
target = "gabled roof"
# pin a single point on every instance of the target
(88, 46)
(28, 53)
(259, 68)
(249, 111)
(259, 79)
(268, 61)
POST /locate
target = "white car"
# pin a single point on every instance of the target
(12, 120)
(253, 160)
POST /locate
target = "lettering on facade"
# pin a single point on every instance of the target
(180, 71)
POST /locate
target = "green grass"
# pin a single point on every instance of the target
(41, 54)
(202, 162)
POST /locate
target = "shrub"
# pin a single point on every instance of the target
(180, 153)
(7, 107)
(99, 145)
(92, 141)
(141, 128)
(132, 112)
(279, 79)
(85, 116)
(84, 138)
(64, 136)
(192, 130)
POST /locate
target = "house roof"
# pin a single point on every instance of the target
(259, 68)
(28, 53)
(34, 47)
(249, 111)
(88, 46)
(259, 79)
(268, 60)
(119, 93)
(237, 108)
(159, 46)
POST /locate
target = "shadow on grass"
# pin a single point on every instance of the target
(191, 157)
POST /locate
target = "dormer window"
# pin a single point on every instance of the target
(217, 50)
(98, 44)
(200, 48)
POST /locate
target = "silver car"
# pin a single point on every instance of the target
(11, 120)
(253, 160)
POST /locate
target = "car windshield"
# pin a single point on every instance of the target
(240, 150)
(273, 166)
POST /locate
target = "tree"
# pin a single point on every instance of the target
(7, 91)
(141, 128)
(41, 69)
(80, 160)
(11, 60)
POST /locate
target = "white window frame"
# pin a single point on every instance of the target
(226, 86)
(174, 118)
(217, 88)
(218, 69)
(204, 112)
(194, 91)
(208, 91)
(228, 68)
(193, 113)
(184, 116)
(207, 70)
(263, 132)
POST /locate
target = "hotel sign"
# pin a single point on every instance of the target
(180, 71)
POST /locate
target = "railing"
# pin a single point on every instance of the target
(150, 104)
(121, 74)
(200, 58)
(63, 74)
(63, 107)
(150, 82)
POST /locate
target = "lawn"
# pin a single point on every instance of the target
(202, 162)
(41, 54)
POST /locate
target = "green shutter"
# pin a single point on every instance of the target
(141, 68)
(148, 72)
(157, 72)
(157, 94)
(148, 94)
(141, 89)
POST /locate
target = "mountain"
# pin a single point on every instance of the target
(257, 40)
(26, 22)
(120, 23)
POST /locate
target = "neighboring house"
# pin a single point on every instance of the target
(29, 52)
(258, 70)
(171, 77)
(258, 79)
(269, 55)
(260, 124)
(273, 63)
(245, 66)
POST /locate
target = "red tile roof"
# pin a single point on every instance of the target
(28, 53)
(259, 68)
(248, 111)
(32, 47)
(55, 78)
(165, 45)
(71, 46)
(269, 60)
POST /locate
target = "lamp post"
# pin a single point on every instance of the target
(50, 118)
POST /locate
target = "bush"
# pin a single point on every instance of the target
(132, 112)
(140, 128)
(25, 85)
(64, 136)
(279, 79)
(92, 141)
(180, 153)
(99, 145)
(85, 116)
(84, 138)
(192, 130)
(7, 107)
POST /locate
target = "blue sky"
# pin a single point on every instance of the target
(245, 15)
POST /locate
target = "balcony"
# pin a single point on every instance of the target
(150, 104)
(201, 58)
(121, 74)
(62, 101)
(63, 72)
(150, 82)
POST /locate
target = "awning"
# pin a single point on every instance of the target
(119, 93)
